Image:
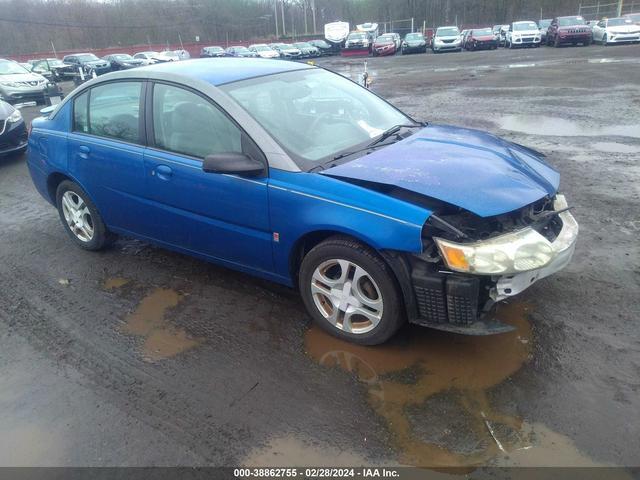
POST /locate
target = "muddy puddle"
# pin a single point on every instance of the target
(151, 320)
(560, 127)
(432, 390)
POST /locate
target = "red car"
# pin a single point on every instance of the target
(569, 30)
(480, 39)
(385, 45)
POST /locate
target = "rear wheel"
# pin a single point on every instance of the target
(350, 292)
(80, 217)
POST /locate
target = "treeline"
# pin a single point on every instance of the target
(34, 25)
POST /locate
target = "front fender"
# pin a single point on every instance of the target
(303, 203)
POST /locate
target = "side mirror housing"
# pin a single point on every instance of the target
(233, 163)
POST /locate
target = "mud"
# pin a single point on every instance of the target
(145, 357)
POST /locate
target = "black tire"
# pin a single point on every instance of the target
(338, 247)
(101, 236)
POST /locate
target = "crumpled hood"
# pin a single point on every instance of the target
(471, 169)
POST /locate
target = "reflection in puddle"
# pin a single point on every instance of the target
(161, 339)
(432, 390)
(560, 127)
(291, 451)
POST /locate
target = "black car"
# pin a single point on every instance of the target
(123, 61)
(323, 46)
(13, 131)
(414, 43)
(88, 62)
(212, 52)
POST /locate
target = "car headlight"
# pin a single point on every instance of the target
(15, 117)
(510, 253)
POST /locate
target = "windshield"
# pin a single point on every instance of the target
(568, 21)
(357, 36)
(122, 56)
(261, 48)
(385, 39)
(88, 57)
(314, 114)
(321, 43)
(447, 32)
(518, 27)
(414, 36)
(11, 68)
(544, 23)
(482, 31)
(617, 22)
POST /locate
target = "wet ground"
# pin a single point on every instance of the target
(139, 356)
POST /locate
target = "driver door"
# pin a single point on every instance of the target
(222, 216)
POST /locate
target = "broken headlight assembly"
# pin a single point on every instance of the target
(510, 253)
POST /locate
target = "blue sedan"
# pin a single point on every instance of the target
(300, 176)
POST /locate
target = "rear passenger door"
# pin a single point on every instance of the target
(218, 215)
(106, 147)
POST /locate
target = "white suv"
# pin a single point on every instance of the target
(523, 34)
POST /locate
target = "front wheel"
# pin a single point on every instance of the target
(80, 217)
(350, 292)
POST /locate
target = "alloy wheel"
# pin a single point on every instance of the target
(347, 296)
(77, 215)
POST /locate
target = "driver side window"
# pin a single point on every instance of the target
(188, 124)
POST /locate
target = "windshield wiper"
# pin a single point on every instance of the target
(377, 142)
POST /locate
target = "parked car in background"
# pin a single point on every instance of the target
(263, 50)
(286, 51)
(154, 57)
(616, 30)
(500, 31)
(446, 39)
(413, 43)
(543, 26)
(634, 17)
(307, 50)
(239, 51)
(376, 218)
(174, 55)
(13, 131)
(384, 45)
(18, 85)
(480, 39)
(181, 54)
(123, 61)
(52, 68)
(88, 62)
(358, 41)
(396, 38)
(569, 30)
(523, 34)
(323, 47)
(212, 52)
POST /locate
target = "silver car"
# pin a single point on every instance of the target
(17, 84)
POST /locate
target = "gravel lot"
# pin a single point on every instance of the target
(138, 356)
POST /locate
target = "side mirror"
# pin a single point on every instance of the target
(233, 163)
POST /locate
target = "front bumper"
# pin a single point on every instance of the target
(23, 94)
(461, 303)
(13, 137)
(624, 38)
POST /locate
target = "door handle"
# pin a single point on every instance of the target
(164, 172)
(83, 151)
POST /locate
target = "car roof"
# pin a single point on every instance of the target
(218, 71)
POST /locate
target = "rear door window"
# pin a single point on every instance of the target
(114, 111)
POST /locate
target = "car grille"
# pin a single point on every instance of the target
(527, 39)
(31, 83)
(448, 41)
(577, 30)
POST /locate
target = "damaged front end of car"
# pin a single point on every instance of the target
(469, 263)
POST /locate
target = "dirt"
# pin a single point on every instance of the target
(146, 357)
